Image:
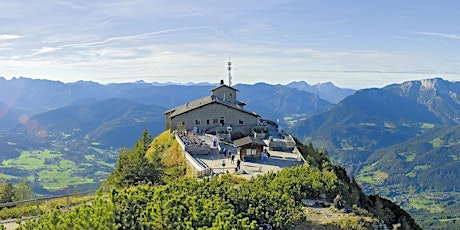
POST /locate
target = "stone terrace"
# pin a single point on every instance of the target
(278, 160)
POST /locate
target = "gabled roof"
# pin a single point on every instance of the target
(248, 140)
(192, 105)
(223, 85)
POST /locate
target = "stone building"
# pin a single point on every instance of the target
(214, 113)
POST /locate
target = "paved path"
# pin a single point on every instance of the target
(277, 161)
(11, 224)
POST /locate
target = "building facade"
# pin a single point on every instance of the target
(220, 109)
(249, 148)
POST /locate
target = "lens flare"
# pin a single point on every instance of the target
(23, 119)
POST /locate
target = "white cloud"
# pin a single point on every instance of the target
(9, 36)
(45, 49)
(70, 5)
(275, 41)
(450, 36)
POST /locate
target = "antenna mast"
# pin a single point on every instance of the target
(229, 72)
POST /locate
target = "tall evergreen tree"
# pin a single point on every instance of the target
(23, 190)
(134, 168)
(6, 191)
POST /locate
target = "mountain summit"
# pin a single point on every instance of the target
(327, 91)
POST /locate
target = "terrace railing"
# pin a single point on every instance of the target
(199, 166)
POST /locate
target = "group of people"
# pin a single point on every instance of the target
(190, 138)
(265, 155)
(232, 157)
(227, 152)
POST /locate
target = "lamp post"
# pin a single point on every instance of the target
(229, 130)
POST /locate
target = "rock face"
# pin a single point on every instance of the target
(437, 95)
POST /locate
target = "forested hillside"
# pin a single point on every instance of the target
(421, 174)
(158, 194)
(278, 101)
(400, 141)
(75, 145)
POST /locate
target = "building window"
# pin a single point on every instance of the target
(181, 125)
(197, 122)
(222, 121)
(240, 121)
(208, 122)
(215, 121)
(251, 152)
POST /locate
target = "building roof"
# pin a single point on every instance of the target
(248, 140)
(223, 85)
(192, 105)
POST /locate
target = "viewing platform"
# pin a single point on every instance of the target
(277, 161)
(208, 158)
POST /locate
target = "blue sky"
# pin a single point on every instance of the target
(352, 43)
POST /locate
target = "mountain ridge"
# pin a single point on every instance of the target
(350, 131)
(399, 139)
(89, 129)
(327, 91)
(33, 96)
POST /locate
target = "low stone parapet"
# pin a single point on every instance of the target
(200, 167)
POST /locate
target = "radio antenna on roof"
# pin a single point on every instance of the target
(229, 72)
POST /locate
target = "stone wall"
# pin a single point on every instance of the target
(211, 116)
(225, 93)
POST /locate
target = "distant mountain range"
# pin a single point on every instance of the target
(75, 145)
(99, 112)
(326, 91)
(31, 97)
(86, 123)
(376, 118)
(278, 101)
(34, 95)
(400, 140)
(8, 116)
(114, 122)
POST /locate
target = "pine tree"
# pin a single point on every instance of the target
(23, 190)
(133, 167)
(6, 191)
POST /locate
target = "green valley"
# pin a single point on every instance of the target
(53, 171)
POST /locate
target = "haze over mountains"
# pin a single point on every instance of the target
(326, 90)
(30, 97)
(401, 140)
(86, 123)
